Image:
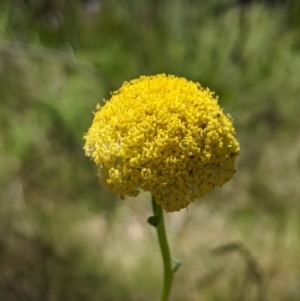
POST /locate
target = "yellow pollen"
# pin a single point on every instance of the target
(162, 134)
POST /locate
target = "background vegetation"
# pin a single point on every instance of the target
(62, 235)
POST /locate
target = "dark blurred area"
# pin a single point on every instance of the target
(65, 237)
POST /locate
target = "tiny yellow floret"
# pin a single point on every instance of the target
(162, 134)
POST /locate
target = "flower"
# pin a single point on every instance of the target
(162, 134)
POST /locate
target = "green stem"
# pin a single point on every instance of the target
(165, 251)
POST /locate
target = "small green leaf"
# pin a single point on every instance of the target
(176, 264)
(153, 220)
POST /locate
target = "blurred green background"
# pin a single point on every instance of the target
(62, 235)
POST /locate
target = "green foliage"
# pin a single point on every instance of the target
(45, 255)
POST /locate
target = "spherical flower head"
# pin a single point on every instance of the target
(162, 134)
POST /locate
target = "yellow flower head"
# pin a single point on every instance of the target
(165, 135)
